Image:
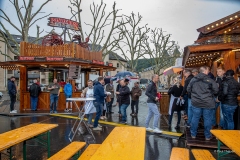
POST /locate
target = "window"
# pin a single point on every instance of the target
(117, 65)
(10, 72)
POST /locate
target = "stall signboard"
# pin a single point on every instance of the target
(20, 58)
(72, 70)
(63, 23)
(98, 62)
(110, 64)
(54, 58)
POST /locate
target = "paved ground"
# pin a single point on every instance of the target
(158, 147)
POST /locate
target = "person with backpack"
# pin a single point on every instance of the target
(228, 97)
(68, 94)
(202, 90)
(34, 93)
(175, 93)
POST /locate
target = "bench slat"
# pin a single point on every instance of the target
(202, 154)
(69, 151)
(179, 154)
(89, 152)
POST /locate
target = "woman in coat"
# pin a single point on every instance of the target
(175, 93)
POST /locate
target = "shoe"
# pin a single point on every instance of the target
(102, 118)
(131, 114)
(90, 125)
(99, 126)
(193, 137)
(66, 110)
(208, 139)
(51, 112)
(149, 129)
(123, 122)
(55, 111)
(156, 130)
(13, 111)
(97, 129)
(35, 110)
(177, 127)
(70, 110)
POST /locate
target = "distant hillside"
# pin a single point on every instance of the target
(142, 64)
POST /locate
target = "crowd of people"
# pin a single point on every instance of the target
(202, 94)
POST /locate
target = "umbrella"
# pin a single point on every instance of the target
(124, 74)
(172, 70)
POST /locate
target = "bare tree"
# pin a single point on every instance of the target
(132, 37)
(101, 21)
(161, 49)
(26, 19)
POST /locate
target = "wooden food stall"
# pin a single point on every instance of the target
(218, 45)
(54, 59)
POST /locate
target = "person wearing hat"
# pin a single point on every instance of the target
(12, 91)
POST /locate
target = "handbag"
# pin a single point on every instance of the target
(108, 98)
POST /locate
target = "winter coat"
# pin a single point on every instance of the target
(98, 93)
(176, 91)
(12, 88)
(124, 96)
(137, 91)
(229, 92)
(151, 92)
(187, 81)
(202, 90)
(68, 89)
(219, 81)
(34, 90)
(110, 88)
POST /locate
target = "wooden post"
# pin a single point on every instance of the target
(54, 74)
(23, 85)
(101, 72)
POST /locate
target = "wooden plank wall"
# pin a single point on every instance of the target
(67, 50)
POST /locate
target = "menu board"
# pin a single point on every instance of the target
(74, 71)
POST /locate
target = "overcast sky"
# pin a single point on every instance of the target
(180, 18)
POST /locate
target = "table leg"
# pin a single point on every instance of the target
(9, 151)
(24, 150)
(48, 143)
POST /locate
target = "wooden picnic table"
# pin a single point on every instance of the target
(22, 134)
(228, 137)
(126, 143)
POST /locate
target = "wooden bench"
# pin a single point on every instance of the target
(89, 152)
(202, 154)
(69, 151)
(22, 134)
(179, 154)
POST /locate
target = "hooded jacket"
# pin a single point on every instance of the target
(229, 91)
(202, 90)
(98, 93)
(12, 88)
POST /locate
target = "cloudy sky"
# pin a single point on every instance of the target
(180, 18)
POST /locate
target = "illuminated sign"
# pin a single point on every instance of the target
(62, 23)
(98, 62)
(54, 58)
(26, 58)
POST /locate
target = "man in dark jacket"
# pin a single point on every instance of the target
(187, 99)
(12, 91)
(136, 92)
(202, 90)
(34, 93)
(219, 79)
(151, 92)
(98, 93)
(230, 90)
(124, 99)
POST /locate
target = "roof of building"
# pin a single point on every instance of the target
(115, 56)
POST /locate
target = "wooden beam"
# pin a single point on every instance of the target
(23, 86)
(214, 47)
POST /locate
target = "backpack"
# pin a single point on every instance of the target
(68, 89)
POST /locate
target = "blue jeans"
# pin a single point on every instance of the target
(221, 123)
(207, 116)
(53, 102)
(89, 117)
(99, 107)
(123, 109)
(185, 97)
(228, 112)
(189, 111)
(34, 101)
(152, 110)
